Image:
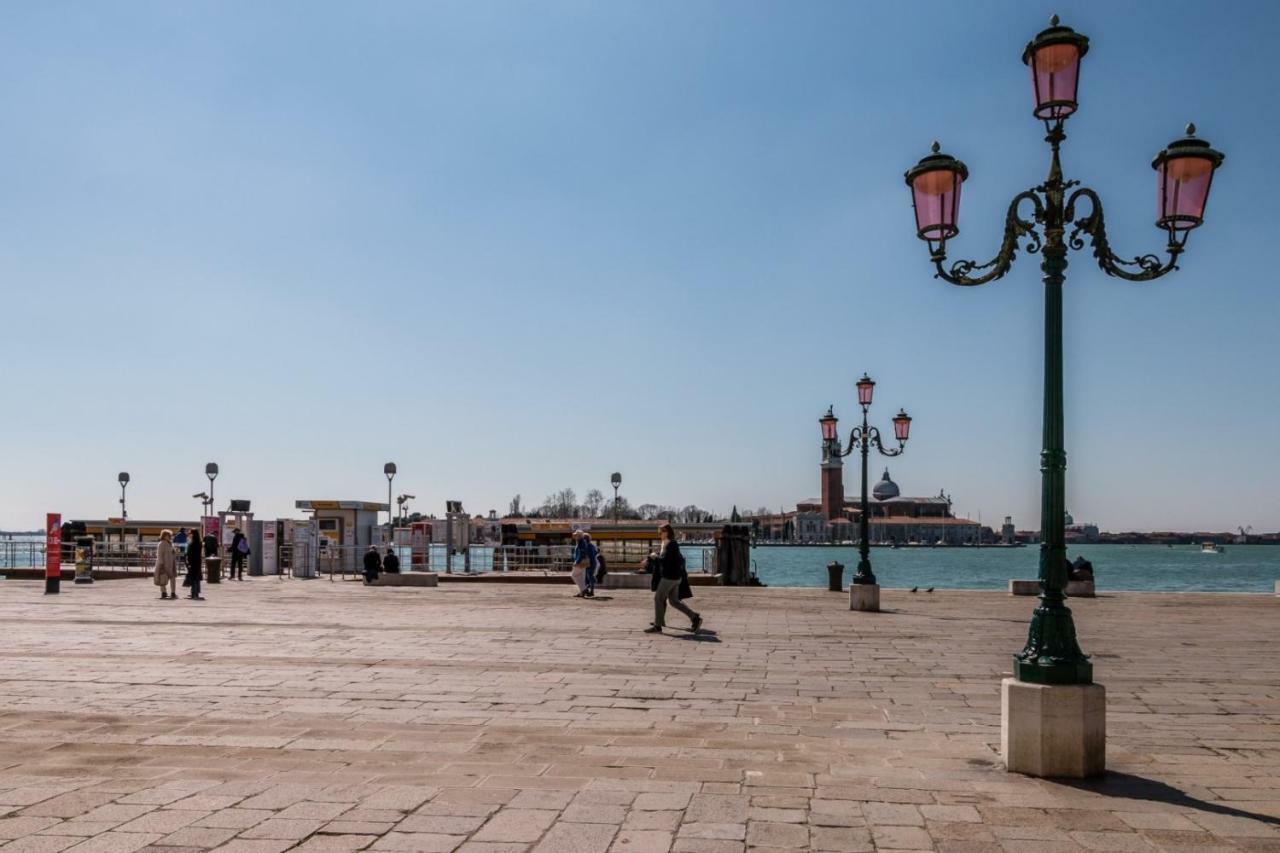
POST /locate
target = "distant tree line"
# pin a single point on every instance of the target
(595, 504)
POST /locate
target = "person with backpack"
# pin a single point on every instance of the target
(670, 582)
(581, 563)
(239, 550)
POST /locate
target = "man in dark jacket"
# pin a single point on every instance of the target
(372, 564)
(391, 563)
(195, 562)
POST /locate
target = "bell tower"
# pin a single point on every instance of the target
(832, 469)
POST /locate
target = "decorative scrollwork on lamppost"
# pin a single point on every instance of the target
(864, 438)
(1037, 221)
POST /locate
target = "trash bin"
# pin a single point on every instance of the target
(84, 559)
(835, 576)
(213, 569)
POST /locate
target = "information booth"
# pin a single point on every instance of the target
(344, 531)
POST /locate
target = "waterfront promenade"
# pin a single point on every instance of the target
(330, 717)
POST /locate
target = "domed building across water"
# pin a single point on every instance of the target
(893, 518)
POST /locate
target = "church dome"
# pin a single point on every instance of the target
(885, 489)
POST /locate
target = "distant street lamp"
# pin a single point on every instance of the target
(390, 470)
(124, 481)
(616, 480)
(1184, 172)
(211, 471)
(401, 500)
(864, 438)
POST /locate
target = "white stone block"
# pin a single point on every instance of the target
(1024, 587)
(865, 597)
(1053, 730)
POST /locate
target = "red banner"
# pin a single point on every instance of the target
(53, 545)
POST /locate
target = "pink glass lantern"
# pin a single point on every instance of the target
(901, 425)
(935, 193)
(828, 423)
(866, 385)
(1184, 173)
(1054, 59)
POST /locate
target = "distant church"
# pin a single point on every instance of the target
(893, 518)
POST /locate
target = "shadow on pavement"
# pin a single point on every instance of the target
(705, 635)
(1138, 788)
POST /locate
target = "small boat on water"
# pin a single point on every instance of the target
(1211, 548)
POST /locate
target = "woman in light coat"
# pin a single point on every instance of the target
(166, 566)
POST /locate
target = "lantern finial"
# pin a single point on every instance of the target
(1191, 128)
(935, 147)
(1053, 20)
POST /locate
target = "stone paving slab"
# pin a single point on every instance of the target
(308, 715)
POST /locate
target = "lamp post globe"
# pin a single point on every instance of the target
(1053, 57)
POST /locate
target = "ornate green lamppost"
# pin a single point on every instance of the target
(864, 438)
(1184, 172)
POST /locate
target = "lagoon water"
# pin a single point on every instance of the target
(1182, 568)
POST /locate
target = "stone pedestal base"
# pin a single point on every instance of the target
(1053, 730)
(864, 596)
(1080, 589)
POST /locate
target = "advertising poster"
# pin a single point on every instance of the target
(53, 545)
(211, 524)
(419, 544)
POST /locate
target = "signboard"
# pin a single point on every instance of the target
(270, 554)
(419, 545)
(52, 552)
(211, 524)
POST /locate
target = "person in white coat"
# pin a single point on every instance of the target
(166, 570)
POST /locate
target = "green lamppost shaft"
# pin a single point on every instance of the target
(863, 573)
(1052, 655)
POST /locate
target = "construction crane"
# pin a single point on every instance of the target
(1244, 534)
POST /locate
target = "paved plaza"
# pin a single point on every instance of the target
(324, 716)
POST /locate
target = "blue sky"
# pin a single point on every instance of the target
(515, 247)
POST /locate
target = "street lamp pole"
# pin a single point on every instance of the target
(864, 438)
(124, 481)
(390, 470)
(616, 480)
(211, 471)
(1184, 174)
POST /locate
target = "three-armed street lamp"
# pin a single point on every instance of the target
(390, 470)
(401, 500)
(211, 471)
(1184, 172)
(124, 481)
(864, 438)
(616, 480)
